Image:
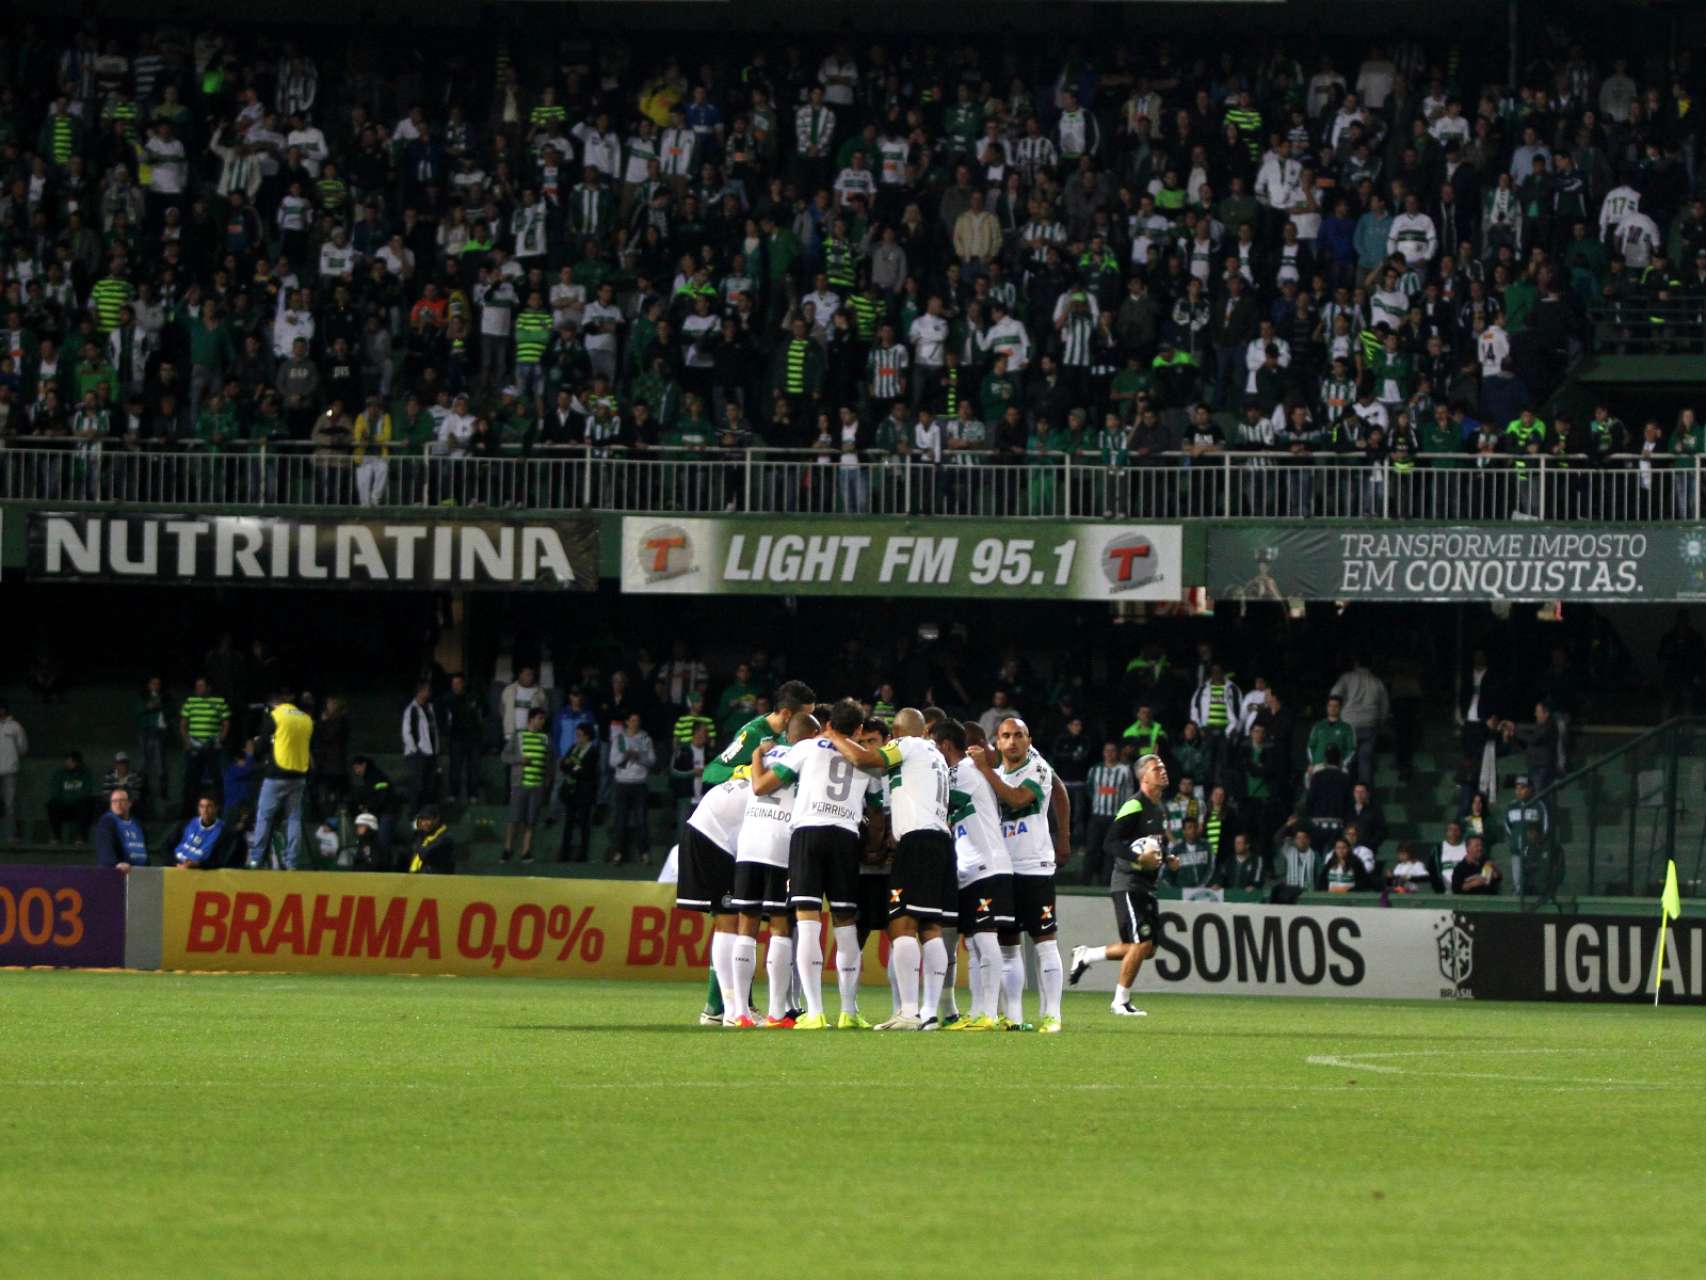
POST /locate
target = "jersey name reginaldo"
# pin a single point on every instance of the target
(767, 823)
(918, 786)
(828, 790)
(719, 811)
(1025, 829)
(979, 849)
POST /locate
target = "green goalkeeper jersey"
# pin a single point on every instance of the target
(738, 752)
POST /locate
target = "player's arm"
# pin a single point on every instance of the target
(765, 779)
(1011, 796)
(1061, 806)
(861, 756)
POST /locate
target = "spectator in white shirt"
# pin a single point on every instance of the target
(1375, 79)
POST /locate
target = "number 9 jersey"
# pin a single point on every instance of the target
(828, 790)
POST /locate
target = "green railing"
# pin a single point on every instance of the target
(1615, 822)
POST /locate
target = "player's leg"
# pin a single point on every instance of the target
(935, 973)
(779, 954)
(1050, 975)
(950, 1013)
(905, 949)
(938, 903)
(841, 868)
(1011, 1002)
(805, 895)
(1125, 921)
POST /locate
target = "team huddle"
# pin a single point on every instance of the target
(922, 830)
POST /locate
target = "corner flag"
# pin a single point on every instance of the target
(1670, 908)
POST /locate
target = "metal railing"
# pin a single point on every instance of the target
(1615, 822)
(1225, 485)
(1647, 326)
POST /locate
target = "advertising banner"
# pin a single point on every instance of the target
(280, 551)
(878, 556)
(69, 916)
(1211, 948)
(327, 922)
(1440, 562)
(1600, 958)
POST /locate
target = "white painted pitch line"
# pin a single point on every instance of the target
(1362, 1062)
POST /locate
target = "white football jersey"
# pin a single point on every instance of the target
(766, 824)
(979, 849)
(720, 810)
(1025, 829)
(829, 791)
(918, 786)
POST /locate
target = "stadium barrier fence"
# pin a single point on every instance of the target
(1235, 484)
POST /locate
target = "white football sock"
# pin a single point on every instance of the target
(935, 971)
(1121, 994)
(847, 966)
(779, 965)
(894, 982)
(1095, 955)
(743, 962)
(808, 963)
(796, 989)
(1013, 982)
(903, 972)
(951, 940)
(1049, 977)
(986, 974)
(722, 960)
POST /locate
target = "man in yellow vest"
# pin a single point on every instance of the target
(283, 742)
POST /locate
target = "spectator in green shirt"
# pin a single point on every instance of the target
(739, 697)
(71, 798)
(1331, 732)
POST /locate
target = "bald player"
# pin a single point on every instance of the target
(1137, 844)
(1030, 796)
(923, 859)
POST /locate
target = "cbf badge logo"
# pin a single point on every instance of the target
(1129, 562)
(1691, 550)
(664, 551)
(1455, 940)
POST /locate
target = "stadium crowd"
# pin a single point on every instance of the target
(1139, 255)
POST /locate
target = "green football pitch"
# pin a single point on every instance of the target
(179, 1125)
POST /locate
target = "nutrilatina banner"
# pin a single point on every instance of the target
(1435, 562)
(260, 551)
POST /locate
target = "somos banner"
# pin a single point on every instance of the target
(278, 551)
(1238, 949)
(877, 556)
(326, 922)
(62, 916)
(1423, 562)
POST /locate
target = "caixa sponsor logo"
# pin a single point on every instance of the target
(1300, 950)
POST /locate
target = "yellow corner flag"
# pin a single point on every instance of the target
(1670, 908)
